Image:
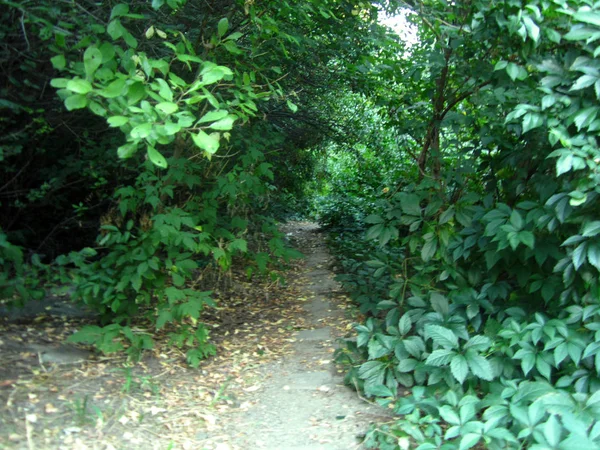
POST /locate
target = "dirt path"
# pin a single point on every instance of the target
(273, 384)
(301, 402)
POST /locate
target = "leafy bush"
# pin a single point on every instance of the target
(492, 291)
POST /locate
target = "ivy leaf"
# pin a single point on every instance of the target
(156, 158)
(459, 368)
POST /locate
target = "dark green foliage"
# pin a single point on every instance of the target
(488, 252)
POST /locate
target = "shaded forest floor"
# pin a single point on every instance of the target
(272, 385)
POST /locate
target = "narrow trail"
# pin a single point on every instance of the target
(303, 404)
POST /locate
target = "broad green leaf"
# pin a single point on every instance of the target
(429, 249)
(480, 367)
(225, 124)
(449, 415)
(207, 142)
(593, 255)
(117, 121)
(405, 324)
(167, 107)
(459, 368)
(439, 358)
(76, 101)
(469, 440)
(119, 10)
(115, 30)
(59, 83)
(591, 17)
(114, 89)
(441, 336)
(156, 158)
(532, 120)
(79, 86)
(223, 26)
(141, 131)
(532, 30)
(591, 229)
(164, 90)
(293, 107)
(92, 59)
(212, 116)
(58, 62)
(127, 150)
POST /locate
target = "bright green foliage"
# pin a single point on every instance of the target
(196, 113)
(479, 271)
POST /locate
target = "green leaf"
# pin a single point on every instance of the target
(115, 30)
(441, 336)
(410, 204)
(141, 131)
(459, 368)
(593, 254)
(223, 26)
(378, 390)
(552, 431)
(119, 10)
(58, 62)
(164, 89)
(590, 17)
(212, 116)
(480, 367)
(440, 358)
(207, 142)
(225, 124)
(92, 59)
(167, 107)
(293, 107)
(527, 238)
(374, 219)
(449, 415)
(469, 440)
(532, 120)
(591, 229)
(79, 86)
(76, 101)
(114, 89)
(117, 121)
(429, 249)
(405, 324)
(156, 158)
(127, 150)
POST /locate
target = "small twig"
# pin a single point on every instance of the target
(24, 30)
(29, 431)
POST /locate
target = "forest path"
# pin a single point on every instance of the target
(302, 403)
